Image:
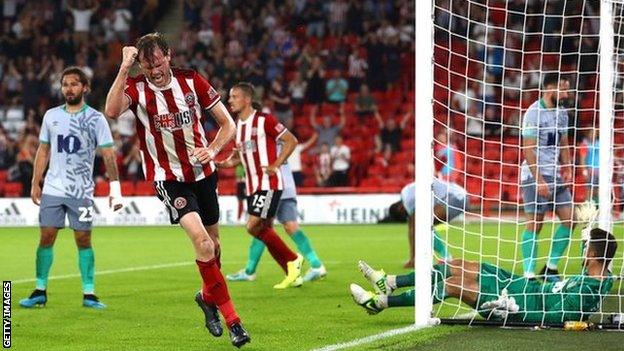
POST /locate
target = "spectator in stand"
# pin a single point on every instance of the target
(492, 125)
(389, 132)
(82, 12)
(278, 94)
(131, 161)
(23, 170)
(8, 150)
(336, 89)
(297, 89)
(327, 132)
(294, 161)
(375, 53)
(474, 121)
(314, 15)
(357, 69)
(365, 104)
(337, 16)
(123, 18)
(323, 167)
(340, 159)
(316, 85)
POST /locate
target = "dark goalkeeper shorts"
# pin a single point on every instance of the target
(263, 203)
(182, 198)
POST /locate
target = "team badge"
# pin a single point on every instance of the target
(179, 203)
(190, 99)
(254, 131)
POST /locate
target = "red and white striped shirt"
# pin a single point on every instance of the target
(256, 141)
(171, 124)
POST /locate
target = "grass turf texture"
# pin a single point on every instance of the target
(153, 309)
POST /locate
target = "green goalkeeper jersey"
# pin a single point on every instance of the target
(573, 299)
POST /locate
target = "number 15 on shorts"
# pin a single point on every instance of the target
(258, 202)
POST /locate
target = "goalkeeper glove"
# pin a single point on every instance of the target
(501, 307)
(114, 196)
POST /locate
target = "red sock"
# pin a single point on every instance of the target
(278, 249)
(217, 288)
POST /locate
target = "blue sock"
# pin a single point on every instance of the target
(255, 253)
(305, 247)
(529, 251)
(45, 256)
(560, 242)
(86, 263)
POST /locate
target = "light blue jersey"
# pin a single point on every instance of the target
(290, 190)
(449, 194)
(548, 126)
(73, 139)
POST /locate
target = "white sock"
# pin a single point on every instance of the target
(382, 301)
(391, 282)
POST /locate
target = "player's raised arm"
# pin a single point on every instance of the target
(41, 161)
(116, 100)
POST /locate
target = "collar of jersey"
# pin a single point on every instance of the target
(168, 86)
(249, 118)
(82, 109)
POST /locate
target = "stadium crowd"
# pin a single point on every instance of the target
(306, 58)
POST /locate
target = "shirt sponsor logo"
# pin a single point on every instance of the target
(173, 121)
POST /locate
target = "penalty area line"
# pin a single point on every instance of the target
(370, 338)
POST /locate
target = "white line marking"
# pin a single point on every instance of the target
(134, 269)
(112, 271)
(369, 339)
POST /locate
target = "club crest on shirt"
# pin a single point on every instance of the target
(179, 203)
(254, 131)
(189, 98)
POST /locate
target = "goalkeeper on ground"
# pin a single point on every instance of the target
(498, 294)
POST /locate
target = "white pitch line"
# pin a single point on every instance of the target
(132, 269)
(369, 339)
(112, 271)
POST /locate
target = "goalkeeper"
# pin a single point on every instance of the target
(498, 294)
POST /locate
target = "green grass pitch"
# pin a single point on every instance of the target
(148, 279)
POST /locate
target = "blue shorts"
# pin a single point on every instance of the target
(455, 207)
(560, 197)
(287, 210)
(53, 209)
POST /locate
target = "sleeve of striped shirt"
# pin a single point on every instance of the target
(273, 127)
(131, 92)
(44, 133)
(206, 94)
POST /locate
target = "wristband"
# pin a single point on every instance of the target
(115, 189)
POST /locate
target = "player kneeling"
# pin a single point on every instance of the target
(498, 294)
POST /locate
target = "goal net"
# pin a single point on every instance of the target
(494, 104)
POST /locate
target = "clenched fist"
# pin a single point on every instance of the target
(129, 56)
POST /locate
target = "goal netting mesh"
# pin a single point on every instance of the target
(490, 59)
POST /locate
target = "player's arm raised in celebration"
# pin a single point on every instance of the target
(110, 161)
(116, 100)
(289, 143)
(226, 131)
(41, 161)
